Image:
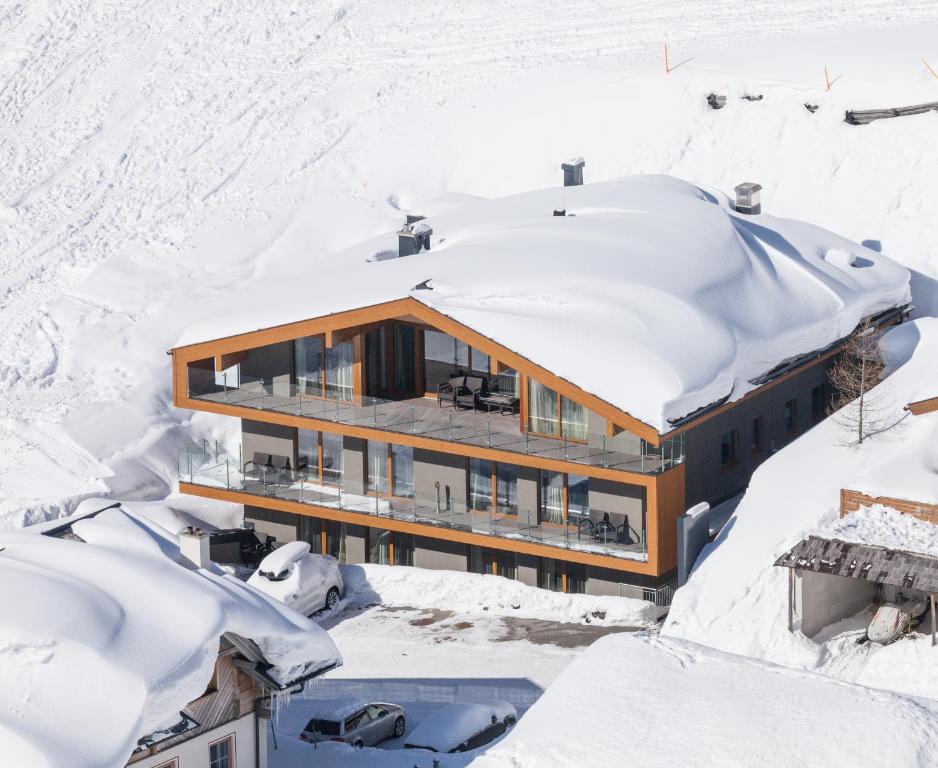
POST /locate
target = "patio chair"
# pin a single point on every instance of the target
(446, 392)
(259, 467)
(604, 530)
(282, 470)
(467, 396)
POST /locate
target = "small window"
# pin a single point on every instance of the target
(728, 444)
(819, 400)
(221, 753)
(357, 721)
(758, 435)
(790, 417)
(174, 763)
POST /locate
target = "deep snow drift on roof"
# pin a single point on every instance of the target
(651, 293)
(105, 641)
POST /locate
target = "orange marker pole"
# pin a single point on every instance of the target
(928, 67)
(667, 66)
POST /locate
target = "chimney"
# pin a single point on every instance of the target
(749, 198)
(573, 172)
(414, 236)
(194, 548)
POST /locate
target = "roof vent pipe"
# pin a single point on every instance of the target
(749, 198)
(414, 236)
(573, 172)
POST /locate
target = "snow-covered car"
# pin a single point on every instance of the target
(358, 723)
(300, 579)
(462, 726)
(892, 620)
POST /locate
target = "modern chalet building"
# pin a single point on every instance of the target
(527, 387)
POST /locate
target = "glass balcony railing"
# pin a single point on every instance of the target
(614, 537)
(498, 429)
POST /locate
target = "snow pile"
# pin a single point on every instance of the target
(647, 274)
(472, 593)
(881, 526)
(736, 599)
(81, 676)
(453, 724)
(610, 705)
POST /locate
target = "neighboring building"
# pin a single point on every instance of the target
(879, 548)
(128, 622)
(637, 355)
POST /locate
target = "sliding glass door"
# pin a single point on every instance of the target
(555, 416)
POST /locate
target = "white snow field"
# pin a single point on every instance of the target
(736, 599)
(82, 675)
(628, 701)
(160, 159)
(645, 273)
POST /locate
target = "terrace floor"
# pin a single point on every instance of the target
(423, 416)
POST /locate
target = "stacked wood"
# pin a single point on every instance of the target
(862, 117)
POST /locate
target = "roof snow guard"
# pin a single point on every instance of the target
(863, 561)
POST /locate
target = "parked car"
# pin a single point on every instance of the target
(355, 722)
(462, 726)
(298, 578)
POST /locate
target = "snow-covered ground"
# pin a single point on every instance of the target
(160, 160)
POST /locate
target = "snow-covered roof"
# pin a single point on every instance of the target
(880, 526)
(651, 293)
(105, 638)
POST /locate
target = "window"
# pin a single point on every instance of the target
(446, 356)
(551, 497)
(403, 548)
(506, 489)
(819, 400)
(477, 560)
(379, 546)
(174, 763)
(506, 564)
(578, 498)
(758, 435)
(790, 416)
(221, 753)
(377, 466)
(308, 363)
(576, 578)
(402, 471)
(480, 484)
(335, 539)
(331, 459)
(550, 575)
(308, 453)
(551, 414)
(507, 382)
(728, 443)
(340, 361)
(322, 372)
(357, 720)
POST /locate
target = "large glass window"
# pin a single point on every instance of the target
(331, 459)
(506, 564)
(507, 382)
(379, 550)
(308, 453)
(578, 498)
(404, 358)
(506, 485)
(551, 497)
(335, 539)
(377, 466)
(551, 414)
(789, 416)
(550, 574)
(728, 447)
(402, 467)
(339, 371)
(542, 409)
(446, 356)
(403, 548)
(480, 484)
(308, 354)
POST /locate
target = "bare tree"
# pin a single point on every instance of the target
(858, 368)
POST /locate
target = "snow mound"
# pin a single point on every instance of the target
(736, 599)
(645, 273)
(881, 526)
(605, 707)
(472, 593)
(81, 678)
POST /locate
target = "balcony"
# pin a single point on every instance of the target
(216, 470)
(422, 416)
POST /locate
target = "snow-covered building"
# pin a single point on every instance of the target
(116, 648)
(508, 390)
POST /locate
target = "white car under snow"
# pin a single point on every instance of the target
(300, 579)
(462, 726)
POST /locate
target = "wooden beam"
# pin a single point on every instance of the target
(419, 529)
(327, 340)
(921, 407)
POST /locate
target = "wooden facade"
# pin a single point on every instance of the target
(852, 501)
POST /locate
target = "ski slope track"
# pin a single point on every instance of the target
(157, 158)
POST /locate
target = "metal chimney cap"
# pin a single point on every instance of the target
(572, 164)
(747, 187)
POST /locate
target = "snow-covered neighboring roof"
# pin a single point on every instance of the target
(608, 707)
(881, 526)
(651, 293)
(105, 640)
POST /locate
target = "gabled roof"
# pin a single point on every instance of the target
(651, 294)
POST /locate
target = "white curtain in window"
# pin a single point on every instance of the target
(308, 363)
(377, 466)
(339, 371)
(402, 462)
(542, 408)
(578, 497)
(332, 458)
(551, 497)
(507, 488)
(574, 418)
(480, 484)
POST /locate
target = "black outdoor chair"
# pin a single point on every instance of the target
(282, 470)
(258, 468)
(462, 392)
(604, 530)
